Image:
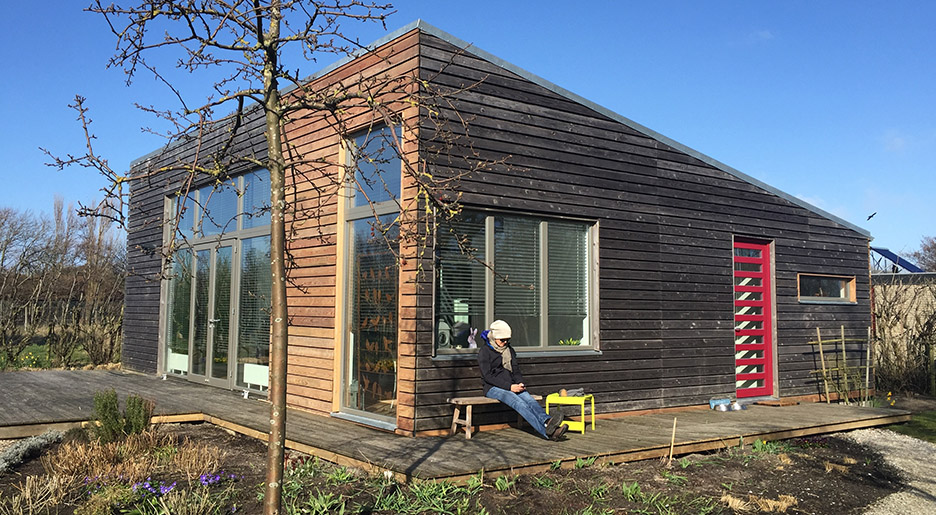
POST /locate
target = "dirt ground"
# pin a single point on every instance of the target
(692, 484)
(819, 475)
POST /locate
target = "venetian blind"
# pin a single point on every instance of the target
(254, 304)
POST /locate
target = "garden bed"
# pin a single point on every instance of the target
(816, 475)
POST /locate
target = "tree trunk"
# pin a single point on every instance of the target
(272, 499)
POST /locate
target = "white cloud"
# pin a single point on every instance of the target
(839, 211)
(762, 35)
(894, 141)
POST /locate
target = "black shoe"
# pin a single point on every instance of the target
(559, 432)
(554, 422)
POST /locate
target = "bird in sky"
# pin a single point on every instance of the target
(872, 215)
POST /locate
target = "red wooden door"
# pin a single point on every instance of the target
(753, 319)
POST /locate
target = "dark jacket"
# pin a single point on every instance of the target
(491, 363)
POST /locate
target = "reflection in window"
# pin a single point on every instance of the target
(207, 273)
(539, 283)
(824, 288)
(253, 334)
(240, 203)
(377, 167)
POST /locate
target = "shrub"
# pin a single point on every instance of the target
(137, 415)
(112, 424)
(27, 448)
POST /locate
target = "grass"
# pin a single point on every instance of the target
(922, 426)
(36, 355)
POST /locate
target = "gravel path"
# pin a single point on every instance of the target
(914, 459)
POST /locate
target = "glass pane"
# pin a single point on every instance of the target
(219, 209)
(221, 319)
(377, 167)
(178, 309)
(749, 383)
(748, 295)
(460, 281)
(754, 253)
(749, 310)
(200, 315)
(747, 267)
(256, 199)
(186, 218)
(747, 281)
(823, 287)
(516, 280)
(749, 369)
(253, 332)
(749, 340)
(747, 325)
(372, 351)
(567, 247)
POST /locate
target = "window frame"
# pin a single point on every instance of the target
(849, 283)
(189, 239)
(544, 348)
(189, 236)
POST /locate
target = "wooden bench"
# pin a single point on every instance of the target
(469, 403)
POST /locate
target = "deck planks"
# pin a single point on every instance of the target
(31, 401)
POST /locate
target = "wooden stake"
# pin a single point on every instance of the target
(845, 367)
(867, 395)
(672, 443)
(825, 379)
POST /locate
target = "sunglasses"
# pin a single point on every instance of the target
(505, 340)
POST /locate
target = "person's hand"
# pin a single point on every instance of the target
(517, 388)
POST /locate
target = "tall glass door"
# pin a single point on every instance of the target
(370, 354)
(212, 315)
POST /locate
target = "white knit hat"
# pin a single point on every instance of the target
(500, 330)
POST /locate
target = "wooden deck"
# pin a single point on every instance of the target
(31, 402)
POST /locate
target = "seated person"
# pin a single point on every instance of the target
(503, 381)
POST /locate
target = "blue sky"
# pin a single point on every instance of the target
(833, 102)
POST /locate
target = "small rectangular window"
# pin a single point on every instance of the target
(826, 288)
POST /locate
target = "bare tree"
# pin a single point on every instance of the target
(925, 256)
(905, 332)
(25, 280)
(241, 44)
(87, 310)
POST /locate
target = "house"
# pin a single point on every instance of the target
(628, 264)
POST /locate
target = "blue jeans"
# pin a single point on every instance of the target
(524, 404)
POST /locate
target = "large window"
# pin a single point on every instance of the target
(240, 203)
(218, 291)
(370, 342)
(538, 280)
(826, 289)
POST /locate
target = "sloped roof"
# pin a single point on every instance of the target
(464, 45)
(468, 47)
(897, 260)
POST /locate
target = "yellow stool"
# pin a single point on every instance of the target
(574, 425)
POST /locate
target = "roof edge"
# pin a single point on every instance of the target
(559, 90)
(321, 73)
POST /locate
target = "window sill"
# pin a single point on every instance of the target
(539, 353)
(828, 301)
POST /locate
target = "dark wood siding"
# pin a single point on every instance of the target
(666, 224)
(145, 232)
